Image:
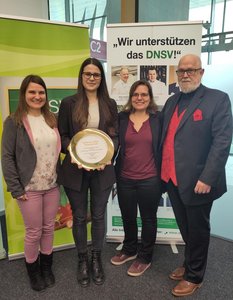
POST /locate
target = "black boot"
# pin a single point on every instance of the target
(97, 268)
(46, 262)
(36, 281)
(83, 270)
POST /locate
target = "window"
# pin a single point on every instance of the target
(57, 10)
(217, 18)
(92, 13)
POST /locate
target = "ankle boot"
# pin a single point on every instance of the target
(83, 270)
(36, 281)
(46, 262)
(97, 268)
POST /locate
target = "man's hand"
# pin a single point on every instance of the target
(202, 188)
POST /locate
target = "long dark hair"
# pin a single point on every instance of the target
(152, 107)
(80, 113)
(22, 108)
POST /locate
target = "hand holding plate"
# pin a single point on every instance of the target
(101, 168)
(79, 165)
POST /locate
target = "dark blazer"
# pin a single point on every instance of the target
(69, 175)
(154, 119)
(202, 143)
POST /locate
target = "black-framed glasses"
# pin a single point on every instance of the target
(143, 95)
(88, 75)
(189, 72)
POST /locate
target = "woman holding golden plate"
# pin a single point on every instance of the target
(87, 124)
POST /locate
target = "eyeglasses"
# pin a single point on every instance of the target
(88, 75)
(189, 72)
(143, 95)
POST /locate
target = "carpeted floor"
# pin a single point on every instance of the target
(153, 284)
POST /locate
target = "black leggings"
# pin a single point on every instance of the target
(79, 204)
(145, 195)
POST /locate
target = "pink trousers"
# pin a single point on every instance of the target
(39, 212)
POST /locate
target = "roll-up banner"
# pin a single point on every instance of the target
(54, 51)
(149, 51)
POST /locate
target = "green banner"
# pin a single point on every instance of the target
(55, 96)
(55, 52)
(47, 49)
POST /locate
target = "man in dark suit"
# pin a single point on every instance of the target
(196, 139)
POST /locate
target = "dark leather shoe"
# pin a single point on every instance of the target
(177, 274)
(185, 288)
(83, 270)
(46, 262)
(36, 280)
(97, 268)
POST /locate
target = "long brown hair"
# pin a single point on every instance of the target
(22, 108)
(152, 107)
(80, 113)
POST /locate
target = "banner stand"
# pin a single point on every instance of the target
(144, 47)
(54, 51)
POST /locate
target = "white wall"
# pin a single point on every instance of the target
(220, 77)
(25, 8)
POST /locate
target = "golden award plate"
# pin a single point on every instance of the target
(91, 148)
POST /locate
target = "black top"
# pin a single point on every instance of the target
(184, 101)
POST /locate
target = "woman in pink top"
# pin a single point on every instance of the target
(30, 154)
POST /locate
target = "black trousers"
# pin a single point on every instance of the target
(145, 195)
(79, 204)
(194, 225)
